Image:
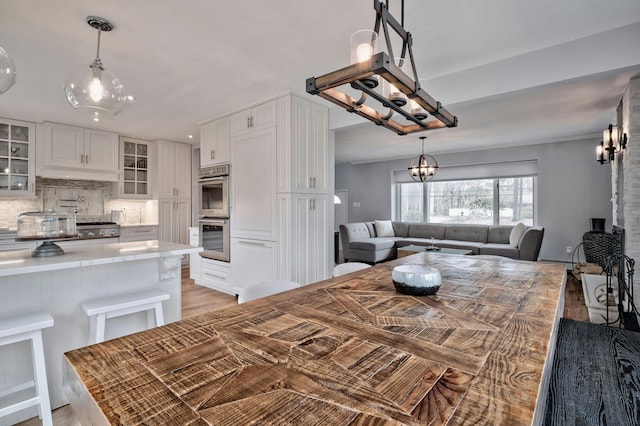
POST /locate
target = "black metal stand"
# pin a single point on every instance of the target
(622, 268)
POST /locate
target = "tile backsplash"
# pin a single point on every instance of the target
(85, 198)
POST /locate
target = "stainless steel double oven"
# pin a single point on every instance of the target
(213, 195)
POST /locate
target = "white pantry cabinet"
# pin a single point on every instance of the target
(174, 169)
(214, 142)
(17, 158)
(77, 153)
(175, 218)
(253, 200)
(303, 146)
(255, 118)
(304, 237)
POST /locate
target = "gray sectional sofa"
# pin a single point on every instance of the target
(373, 242)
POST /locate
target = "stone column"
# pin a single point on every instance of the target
(631, 175)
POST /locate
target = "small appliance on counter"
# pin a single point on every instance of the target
(47, 226)
(118, 216)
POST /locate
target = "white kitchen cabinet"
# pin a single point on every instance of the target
(138, 233)
(174, 170)
(253, 200)
(77, 153)
(252, 261)
(174, 218)
(195, 260)
(136, 165)
(17, 159)
(214, 143)
(304, 237)
(216, 275)
(255, 118)
(303, 146)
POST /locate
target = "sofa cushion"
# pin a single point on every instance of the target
(383, 228)
(499, 234)
(400, 229)
(355, 231)
(426, 230)
(371, 228)
(500, 250)
(463, 232)
(516, 234)
(373, 244)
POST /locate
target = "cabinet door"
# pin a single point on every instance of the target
(166, 209)
(310, 148)
(17, 163)
(311, 238)
(263, 116)
(214, 142)
(182, 221)
(63, 146)
(240, 122)
(166, 169)
(100, 150)
(252, 261)
(183, 170)
(254, 185)
(135, 163)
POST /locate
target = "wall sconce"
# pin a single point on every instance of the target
(613, 140)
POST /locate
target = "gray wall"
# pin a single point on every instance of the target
(572, 187)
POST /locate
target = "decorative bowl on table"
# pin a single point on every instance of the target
(416, 280)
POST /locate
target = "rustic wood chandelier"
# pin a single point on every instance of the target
(368, 68)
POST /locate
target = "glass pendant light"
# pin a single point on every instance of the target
(94, 89)
(7, 71)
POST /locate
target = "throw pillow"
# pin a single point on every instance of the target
(384, 228)
(516, 234)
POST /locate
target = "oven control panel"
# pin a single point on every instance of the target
(213, 171)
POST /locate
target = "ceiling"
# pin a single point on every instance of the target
(514, 73)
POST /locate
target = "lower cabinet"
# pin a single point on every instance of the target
(252, 261)
(138, 233)
(174, 218)
(215, 275)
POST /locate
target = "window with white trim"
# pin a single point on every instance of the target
(505, 199)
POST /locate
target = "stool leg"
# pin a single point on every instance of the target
(100, 325)
(40, 373)
(159, 314)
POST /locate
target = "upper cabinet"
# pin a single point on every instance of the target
(252, 119)
(136, 165)
(77, 153)
(303, 146)
(214, 143)
(17, 174)
(174, 169)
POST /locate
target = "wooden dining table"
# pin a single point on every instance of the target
(350, 350)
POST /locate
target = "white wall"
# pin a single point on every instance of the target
(572, 187)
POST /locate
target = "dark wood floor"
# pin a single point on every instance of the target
(197, 300)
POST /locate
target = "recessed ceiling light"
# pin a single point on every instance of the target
(190, 136)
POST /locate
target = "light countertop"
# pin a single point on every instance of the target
(20, 261)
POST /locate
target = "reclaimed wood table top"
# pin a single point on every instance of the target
(345, 351)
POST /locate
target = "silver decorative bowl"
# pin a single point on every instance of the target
(416, 280)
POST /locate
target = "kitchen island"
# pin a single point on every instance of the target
(349, 350)
(59, 285)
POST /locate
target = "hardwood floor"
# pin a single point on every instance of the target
(197, 300)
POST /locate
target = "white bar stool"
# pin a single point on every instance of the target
(18, 329)
(100, 310)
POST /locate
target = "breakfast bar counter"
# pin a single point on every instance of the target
(60, 284)
(349, 350)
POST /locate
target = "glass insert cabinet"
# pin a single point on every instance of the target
(135, 182)
(17, 167)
